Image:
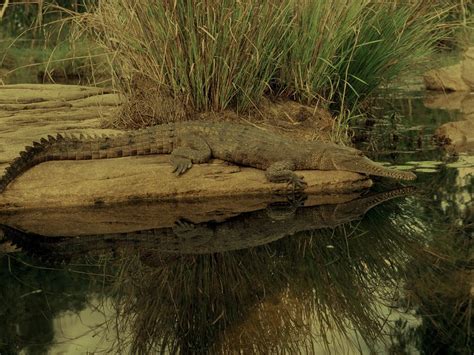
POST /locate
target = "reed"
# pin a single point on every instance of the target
(216, 55)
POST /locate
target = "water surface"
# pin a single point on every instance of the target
(384, 272)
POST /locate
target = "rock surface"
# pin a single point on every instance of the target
(72, 183)
(29, 112)
(458, 77)
(455, 136)
(447, 78)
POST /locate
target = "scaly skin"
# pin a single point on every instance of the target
(197, 142)
(243, 231)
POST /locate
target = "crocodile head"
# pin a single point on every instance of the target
(362, 164)
(335, 157)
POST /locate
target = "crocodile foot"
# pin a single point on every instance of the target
(180, 164)
(283, 171)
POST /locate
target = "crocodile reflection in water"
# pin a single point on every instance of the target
(243, 231)
(267, 297)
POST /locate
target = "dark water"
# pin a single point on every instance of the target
(389, 271)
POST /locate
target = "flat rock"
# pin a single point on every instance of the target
(98, 182)
(29, 112)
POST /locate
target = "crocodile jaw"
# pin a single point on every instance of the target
(366, 166)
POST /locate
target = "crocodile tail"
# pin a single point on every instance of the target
(31, 156)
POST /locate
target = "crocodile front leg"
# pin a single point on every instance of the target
(283, 171)
(191, 149)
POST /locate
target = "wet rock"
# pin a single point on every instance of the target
(456, 136)
(447, 78)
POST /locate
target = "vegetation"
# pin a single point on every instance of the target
(80, 62)
(36, 44)
(216, 55)
(219, 55)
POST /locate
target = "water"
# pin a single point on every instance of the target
(378, 273)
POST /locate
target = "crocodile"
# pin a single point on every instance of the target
(197, 142)
(247, 230)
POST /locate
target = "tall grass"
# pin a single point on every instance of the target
(315, 45)
(212, 54)
(215, 55)
(388, 41)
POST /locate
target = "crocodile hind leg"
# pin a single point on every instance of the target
(283, 171)
(191, 149)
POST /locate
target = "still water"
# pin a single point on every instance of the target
(387, 271)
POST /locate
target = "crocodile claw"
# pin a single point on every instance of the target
(180, 165)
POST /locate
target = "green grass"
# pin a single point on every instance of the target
(216, 55)
(36, 60)
(387, 43)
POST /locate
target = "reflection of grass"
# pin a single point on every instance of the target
(441, 292)
(275, 297)
(303, 292)
(32, 297)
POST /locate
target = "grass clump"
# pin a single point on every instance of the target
(386, 43)
(217, 55)
(210, 55)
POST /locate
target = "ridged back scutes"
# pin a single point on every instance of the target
(27, 159)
